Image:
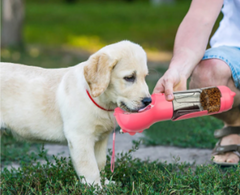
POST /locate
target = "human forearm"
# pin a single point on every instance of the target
(193, 34)
(189, 47)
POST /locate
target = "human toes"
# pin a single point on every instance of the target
(232, 158)
(220, 158)
(228, 157)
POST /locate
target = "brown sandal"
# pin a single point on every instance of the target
(230, 148)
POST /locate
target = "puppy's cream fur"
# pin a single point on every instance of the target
(52, 104)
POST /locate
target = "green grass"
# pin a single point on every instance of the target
(132, 176)
(16, 151)
(92, 25)
(46, 57)
(196, 132)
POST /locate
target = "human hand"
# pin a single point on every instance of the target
(171, 81)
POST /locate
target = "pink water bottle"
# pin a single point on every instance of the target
(186, 104)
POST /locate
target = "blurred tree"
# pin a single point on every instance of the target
(12, 22)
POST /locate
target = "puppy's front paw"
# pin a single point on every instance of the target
(107, 182)
(96, 183)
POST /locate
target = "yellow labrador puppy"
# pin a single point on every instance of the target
(75, 105)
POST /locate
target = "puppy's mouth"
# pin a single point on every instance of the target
(126, 108)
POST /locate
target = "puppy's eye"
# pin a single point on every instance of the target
(130, 78)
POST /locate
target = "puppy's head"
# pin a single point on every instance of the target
(118, 71)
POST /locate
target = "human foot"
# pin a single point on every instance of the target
(227, 150)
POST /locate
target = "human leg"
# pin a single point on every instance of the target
(215, 72)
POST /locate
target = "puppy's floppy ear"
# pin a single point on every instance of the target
(98, 72)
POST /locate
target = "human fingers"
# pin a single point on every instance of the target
(159, 88)
(168, 84)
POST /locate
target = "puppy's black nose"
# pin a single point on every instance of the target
(146, 101)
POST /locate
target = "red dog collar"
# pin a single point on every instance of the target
(97, 104)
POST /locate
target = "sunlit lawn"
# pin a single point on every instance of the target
(92, 25)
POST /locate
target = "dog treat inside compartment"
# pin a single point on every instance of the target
(211, 99)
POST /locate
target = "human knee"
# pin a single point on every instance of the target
(212, 72)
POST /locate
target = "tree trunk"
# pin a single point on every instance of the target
(12, 22)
